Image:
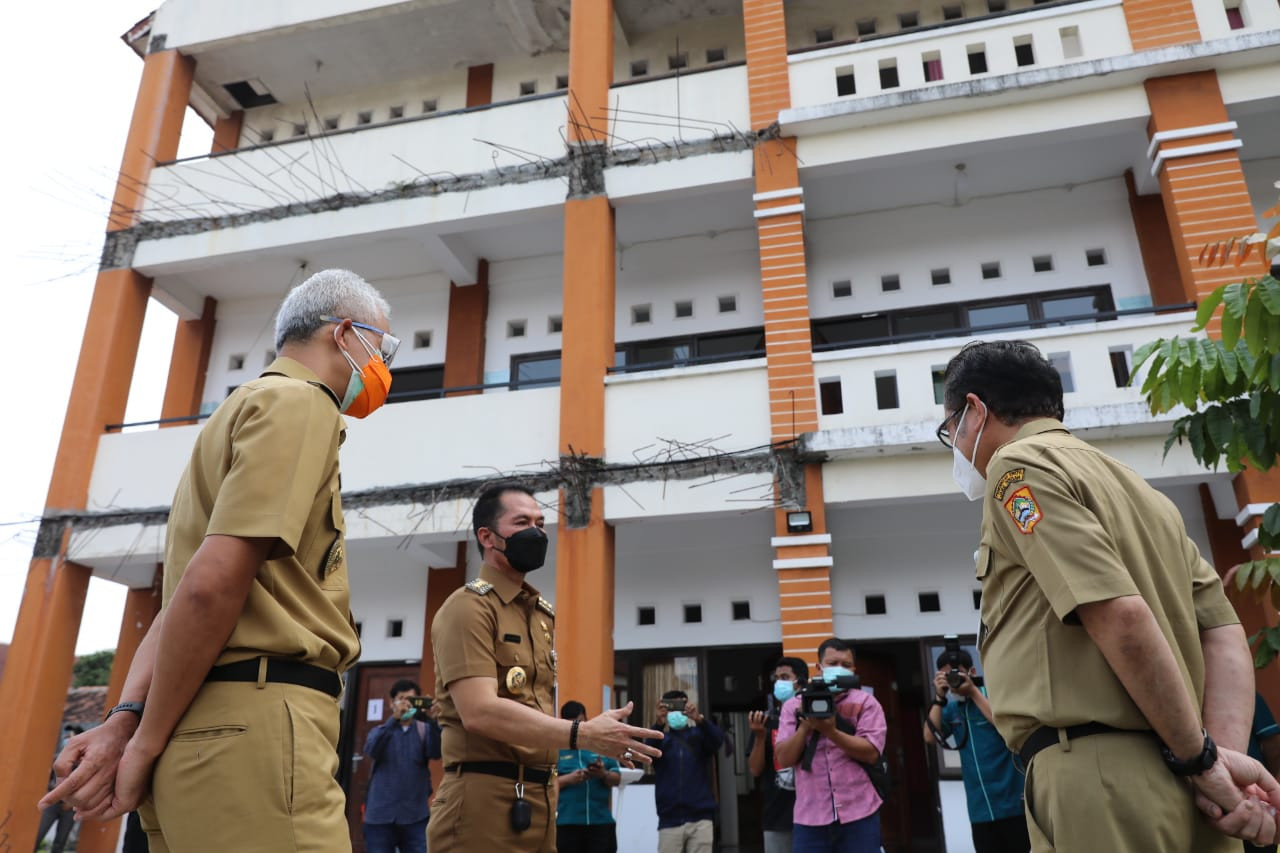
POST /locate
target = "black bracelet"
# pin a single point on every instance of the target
(940, 702)
(573, 735)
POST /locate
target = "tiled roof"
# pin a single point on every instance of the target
(85, 706)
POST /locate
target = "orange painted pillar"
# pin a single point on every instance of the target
(440, 585)
(1195, 155)
(802, 561)
(465, 338)
(38, 670)
(584, 544)
(226, 132)
(1160, 23)
(1155, 243)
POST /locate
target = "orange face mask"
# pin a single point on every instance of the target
(367, 389)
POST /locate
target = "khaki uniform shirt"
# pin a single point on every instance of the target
(1064, 525)
(266, 465)
(498, 628)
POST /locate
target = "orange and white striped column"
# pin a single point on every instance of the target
(1160, 23)
(802, 561)
(38, 670)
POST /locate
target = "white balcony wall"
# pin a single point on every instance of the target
(668, 564)
(700, 269)
(244, 334)
(1099, 26)
(727, 402)
(1009, 230)
(804, 21)
(1256, 15)
(1085, 347)
(358, 161)
(686, 107)
(693, 38)
(927, 546)
(526, 294)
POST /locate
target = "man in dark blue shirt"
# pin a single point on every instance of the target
(396, 810)
(993, 785)
(682, 787)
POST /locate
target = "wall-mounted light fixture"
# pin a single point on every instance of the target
(800, 522)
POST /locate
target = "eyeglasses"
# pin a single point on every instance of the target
(390, 343)
(944, 429)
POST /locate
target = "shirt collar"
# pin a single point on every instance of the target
(285, 366)
(506, 588)
(1038, 426)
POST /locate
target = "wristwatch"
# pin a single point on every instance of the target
(131, 707)
(939, 701)
(1192, 766)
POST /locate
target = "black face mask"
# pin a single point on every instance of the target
(526, 550)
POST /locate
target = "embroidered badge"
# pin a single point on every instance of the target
(480, 587)
(1023, 509)
(516, 678)
(1009, 478)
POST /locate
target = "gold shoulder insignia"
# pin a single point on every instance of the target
(545, 607)
(480, 587)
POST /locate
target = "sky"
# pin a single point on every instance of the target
(67, 125)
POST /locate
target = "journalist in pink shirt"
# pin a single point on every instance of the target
(837, 809)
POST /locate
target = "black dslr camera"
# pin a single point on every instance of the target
(956, 675)
(818, 699)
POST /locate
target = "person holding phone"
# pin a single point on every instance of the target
(401, 751)
(584, 820)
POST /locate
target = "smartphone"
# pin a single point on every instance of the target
(421, 703)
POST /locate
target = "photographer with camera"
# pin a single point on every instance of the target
(683, 790)
(992, 783)
(778, 784)
(831, 730)
(401, 749)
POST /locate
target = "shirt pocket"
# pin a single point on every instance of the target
(515, 669)
(982, 560)
(333, 568)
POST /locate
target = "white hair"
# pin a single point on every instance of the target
(328, 293)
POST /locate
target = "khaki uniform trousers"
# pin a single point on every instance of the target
(472, 812)
(250, 769)
(1112, 793)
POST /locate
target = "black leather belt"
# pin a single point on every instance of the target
(280, 671)
(505, 769)
(1047, 736)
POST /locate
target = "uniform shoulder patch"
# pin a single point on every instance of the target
(545, 607)
(1008, 479)
(1023, 509)
(479, 587)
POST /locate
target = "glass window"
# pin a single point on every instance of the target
(851, 330)
(1061, 362)
(536, 371)
(999, 315)
(416, 383)
(926, 322)
(733, 344)
(1055, 308)
(663, 352)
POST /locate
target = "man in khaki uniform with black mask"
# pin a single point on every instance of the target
(240, 672)
(1115, 665)
(495, 665)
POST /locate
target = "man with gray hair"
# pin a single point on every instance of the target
(240, 672)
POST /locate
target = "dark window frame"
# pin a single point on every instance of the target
(417, 370)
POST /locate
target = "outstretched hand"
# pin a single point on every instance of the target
(608, 735)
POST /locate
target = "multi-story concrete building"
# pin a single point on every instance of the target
(693, 267)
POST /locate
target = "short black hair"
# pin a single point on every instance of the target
(572, 709)
(966, 659)
(799, 667)
(833, 643)
(675, 694)
(402, 685)
(1012, 377)
(489, 505)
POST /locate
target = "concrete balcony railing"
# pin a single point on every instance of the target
(1017, 41)
(892, 394)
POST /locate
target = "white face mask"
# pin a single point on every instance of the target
(963, 471)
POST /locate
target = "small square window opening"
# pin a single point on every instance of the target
(908, 20)
(890, 283)
(715, 54)
(889, 74)
(845, 83)
(529, 87)
(875, 605)
(676, 61)
(300, 129)
(395, 628)
(866, 27)
(421, 340)
(1023, 53)
(886, 389)
(516, 328)
(639, 67)
(727, 304)
(1095, 257)
(364, 117)
(822, 35)
(938, 374)
(684, 308)
(1121, 365)
(646, 616)
(930, 602)
(1071, 47)
(562, 81)
(692, 613)
(641, 314)
(741, 611)
(995, 7)
(268, 135)
(396, 112)
(977, 59)
(1042, 263)
(430, 105)
(991, 269)
(236, 362)
(952, 13)
(932, 62)
(842, 289)
(332, 122)
(831, 396)
(940, 276)
(555, 324)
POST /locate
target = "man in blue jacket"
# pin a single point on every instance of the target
(685, 798)
(401, 749)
